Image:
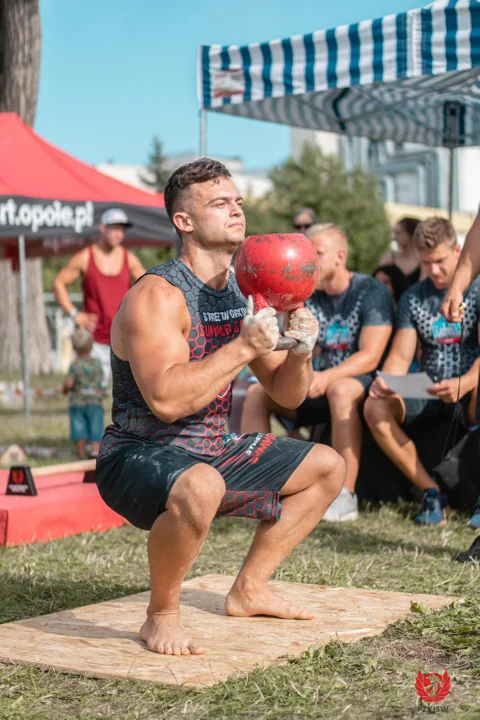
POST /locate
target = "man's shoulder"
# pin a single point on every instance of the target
(421, 290)
(80, 258)
(361, 280)
(366, 284)
(151, 296)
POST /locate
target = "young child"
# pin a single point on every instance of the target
(84, 387)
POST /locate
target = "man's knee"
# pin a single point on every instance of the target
(330, 468)
(344, 396)
(196, 496)
(378, 414)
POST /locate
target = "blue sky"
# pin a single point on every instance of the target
(116, 72)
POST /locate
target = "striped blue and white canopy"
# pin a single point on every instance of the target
(411, 77)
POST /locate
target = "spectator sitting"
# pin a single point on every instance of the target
(393, 278)
(355, 312)
(449, 354)
(85, 388)
(303, 219)
(406, 257)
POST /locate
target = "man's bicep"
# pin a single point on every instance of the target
(374, 338)
(153, 334)
(72, 271)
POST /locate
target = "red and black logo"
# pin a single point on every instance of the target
(432, 687)
(20, 481)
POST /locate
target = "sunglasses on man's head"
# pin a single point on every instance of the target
(305, 226)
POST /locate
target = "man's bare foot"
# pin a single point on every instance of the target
(245, 600)
(163, 634)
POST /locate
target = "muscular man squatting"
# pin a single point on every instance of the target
(166, 463)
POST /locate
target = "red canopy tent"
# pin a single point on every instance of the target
(55, 201)
(51, 203)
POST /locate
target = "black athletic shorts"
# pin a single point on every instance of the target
(136, 479)
(315, 411)
(430, 410)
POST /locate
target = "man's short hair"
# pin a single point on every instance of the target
(198, 171)
(327, 227)
(433, 232)
(82, 340)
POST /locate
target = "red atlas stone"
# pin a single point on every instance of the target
(279, 269)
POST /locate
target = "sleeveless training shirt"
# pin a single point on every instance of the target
(216, 319)
(102, 295)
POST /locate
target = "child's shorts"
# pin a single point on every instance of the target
(86, 423)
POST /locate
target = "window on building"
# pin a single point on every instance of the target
(405, 188)
(373, 152)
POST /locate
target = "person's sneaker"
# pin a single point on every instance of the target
(472, 554)
(432, 509)
(343, 508)
(474, 521)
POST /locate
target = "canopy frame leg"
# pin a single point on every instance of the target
(24, 328)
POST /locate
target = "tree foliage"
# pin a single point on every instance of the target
(158, 173)
(349, 199)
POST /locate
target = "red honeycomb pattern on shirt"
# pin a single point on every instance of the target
(211, 327)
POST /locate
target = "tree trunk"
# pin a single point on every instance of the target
(9, 325)
(20, 45)
(20, 58)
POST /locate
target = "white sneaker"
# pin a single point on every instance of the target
(343, 508)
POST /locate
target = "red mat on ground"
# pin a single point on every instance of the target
(65, 505)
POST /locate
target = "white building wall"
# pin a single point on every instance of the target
(468, 179)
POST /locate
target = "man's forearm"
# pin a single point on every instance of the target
(469, 263)
(63, 299)
(187, 388)
(468, 382)
(292, 380)
(360, 363)
(395, 365)
(466, 271)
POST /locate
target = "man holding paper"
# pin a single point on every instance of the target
(449, 354)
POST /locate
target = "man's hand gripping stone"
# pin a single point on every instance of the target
(260, 330)
(303, 327)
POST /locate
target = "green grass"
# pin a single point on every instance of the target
(370, 679)
(373, 678)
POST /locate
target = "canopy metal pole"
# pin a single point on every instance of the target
(203, 133)
(24, 322)
(451, 158)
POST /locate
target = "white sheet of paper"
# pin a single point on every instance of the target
(413, 385)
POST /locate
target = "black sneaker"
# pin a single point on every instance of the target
(472, 554)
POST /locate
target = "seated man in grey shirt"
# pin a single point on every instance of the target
(355, 313)
(449, 354)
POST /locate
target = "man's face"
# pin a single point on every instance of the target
(328, 256)
(212, 214)
(113, 235)
(439, 264)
